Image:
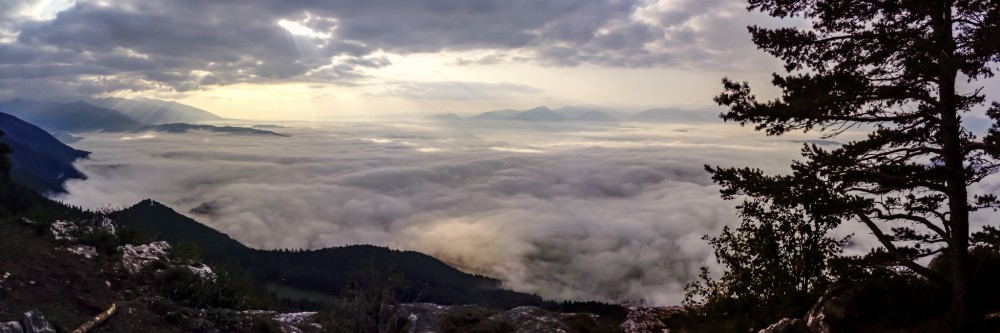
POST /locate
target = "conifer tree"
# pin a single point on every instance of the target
(906, 71)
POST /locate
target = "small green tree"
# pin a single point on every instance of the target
(369, 304)
(186, 252)
(777, 261)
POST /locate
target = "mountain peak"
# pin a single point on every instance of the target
(594, 115)
(540, 113)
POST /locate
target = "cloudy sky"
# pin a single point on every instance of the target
(309, 58)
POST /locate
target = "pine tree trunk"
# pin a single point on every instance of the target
(950, 135)
(958, 207)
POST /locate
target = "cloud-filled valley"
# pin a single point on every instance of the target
(610, 212)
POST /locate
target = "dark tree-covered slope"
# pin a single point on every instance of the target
(328, 270)
(39, 161)
(184, 128)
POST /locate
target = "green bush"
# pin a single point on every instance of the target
(370, 304)
(229, 289)
(105, 242)
(186, 252)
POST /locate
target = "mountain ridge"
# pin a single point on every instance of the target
(39, 161)
(78, 116)
(81, 116)
(155, 111)
(587, 114)
(325, 270)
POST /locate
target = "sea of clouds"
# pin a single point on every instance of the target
(611, 212)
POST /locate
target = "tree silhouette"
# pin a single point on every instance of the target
(892, 68)
(778, 261)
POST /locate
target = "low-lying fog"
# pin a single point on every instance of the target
(613, 212)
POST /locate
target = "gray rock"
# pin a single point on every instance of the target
(11, 327)
(649, 319)
(135, 258)
(787, 325)
(34, 322)
(424, 317)
(528, 319)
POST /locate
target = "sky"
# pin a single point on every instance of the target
(308, 59)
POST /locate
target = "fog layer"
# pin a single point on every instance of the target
(613, 213)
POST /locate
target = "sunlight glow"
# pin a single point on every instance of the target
(297, 28)
(144, 136)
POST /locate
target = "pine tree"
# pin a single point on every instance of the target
(893, 68)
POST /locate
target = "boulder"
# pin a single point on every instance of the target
(202, 270)
(424, 317)
(528, 319)
(34, 322)
(86, 251)
(11, 327)
(289, 322)
(64, 230)
(135, 258)
(649, 319)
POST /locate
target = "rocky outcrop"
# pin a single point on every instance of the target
(428, 317)
(649, 319)
(424, 317)
(11, 327)
(528, 319)
(829, 309)
(137, 257)
(34, 322)
(70, 230)
(202, 270)
(64, 230)
(85, 251)
(292, 322)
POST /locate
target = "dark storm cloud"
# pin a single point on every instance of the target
(186, 44)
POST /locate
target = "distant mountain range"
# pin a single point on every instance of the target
(39, 130)
(76, 116)
(108, 115)
(588, 114)
(118, 115)
(39, 161)
(327, 271)
(154, 111)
